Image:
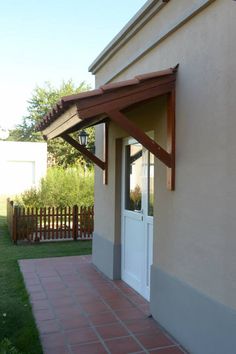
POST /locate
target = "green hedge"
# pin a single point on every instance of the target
(60, 188)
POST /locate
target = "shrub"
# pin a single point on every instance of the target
(60, 188)
(135, 198)
(30, 198)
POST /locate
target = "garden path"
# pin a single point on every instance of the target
(79, 310)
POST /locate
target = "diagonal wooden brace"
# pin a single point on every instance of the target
(84, 151)
(134, 131)
(167, 157)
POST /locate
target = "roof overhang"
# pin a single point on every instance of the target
(65, 121)
(81, 110)
(110, 103)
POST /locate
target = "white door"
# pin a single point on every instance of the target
(137, 216)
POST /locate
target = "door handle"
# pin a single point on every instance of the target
(139, 211)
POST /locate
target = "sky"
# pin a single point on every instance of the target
(52, 40)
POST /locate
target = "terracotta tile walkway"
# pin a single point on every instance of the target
(79, 311)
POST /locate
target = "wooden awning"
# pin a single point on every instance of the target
(109, 103)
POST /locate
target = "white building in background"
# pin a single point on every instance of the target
(22, 165)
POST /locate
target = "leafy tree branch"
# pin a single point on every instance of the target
(41, 102)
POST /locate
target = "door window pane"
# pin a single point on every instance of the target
(150, 183)
(133, 177)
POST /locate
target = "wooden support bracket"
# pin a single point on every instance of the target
(105, 174)
(103, 165)
(167, 157)
(171, 139)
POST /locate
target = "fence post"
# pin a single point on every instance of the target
(75, 222)
(14, 228)
(8, 214)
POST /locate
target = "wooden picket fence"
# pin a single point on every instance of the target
(49, 224)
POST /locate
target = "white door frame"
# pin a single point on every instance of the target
(142, 227)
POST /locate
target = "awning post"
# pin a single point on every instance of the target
(171, 139)
(105, 173)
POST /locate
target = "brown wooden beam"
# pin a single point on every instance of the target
(84, 151)
(171, 139)
(88, 122)
(134, 131)
(105, 173)
(113, 102)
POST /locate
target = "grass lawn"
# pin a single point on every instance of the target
(16, 319)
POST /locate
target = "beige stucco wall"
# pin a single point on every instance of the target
(160, 26)
(194, 234)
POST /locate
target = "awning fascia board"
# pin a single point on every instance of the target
(67, 120)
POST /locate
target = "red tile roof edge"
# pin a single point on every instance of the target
(67, 101)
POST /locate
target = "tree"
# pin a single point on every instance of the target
(41, 102)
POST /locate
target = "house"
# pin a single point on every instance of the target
(165, 188)
(22, 165)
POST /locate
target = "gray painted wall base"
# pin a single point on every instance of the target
(106, 257)
(200, 324)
